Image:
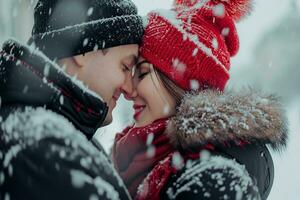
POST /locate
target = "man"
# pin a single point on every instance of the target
(48, 116)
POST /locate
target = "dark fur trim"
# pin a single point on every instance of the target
(215, 117)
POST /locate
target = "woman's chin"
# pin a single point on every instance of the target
(141, 123)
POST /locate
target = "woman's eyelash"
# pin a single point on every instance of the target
(142, 75)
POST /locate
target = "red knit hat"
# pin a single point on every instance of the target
(192, 43)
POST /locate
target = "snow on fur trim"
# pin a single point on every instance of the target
(216, 117)
(237, 9)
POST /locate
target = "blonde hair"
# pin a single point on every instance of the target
(171, 87)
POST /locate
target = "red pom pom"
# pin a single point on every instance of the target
(236, 9)
(233, 8)
(185, 3)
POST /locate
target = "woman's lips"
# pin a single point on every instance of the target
(116, 97)
(138, 109)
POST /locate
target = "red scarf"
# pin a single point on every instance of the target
(131, 152)
(138, 168)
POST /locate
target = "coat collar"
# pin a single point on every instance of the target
(218, 117)
(29, 78)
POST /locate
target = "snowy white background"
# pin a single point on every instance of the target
(269, 59)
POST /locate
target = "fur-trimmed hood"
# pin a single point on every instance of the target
(215, 117)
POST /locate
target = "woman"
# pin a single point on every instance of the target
(190, 139)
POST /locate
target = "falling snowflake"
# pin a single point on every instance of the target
(46, 70)
(195, 52)
(85, 42)
(194, 85)
(225, 31)
(90, 11)
(214, 43)
(150, 138)
(219, 10)
(61, 100)
(150, 151)
(177, 161)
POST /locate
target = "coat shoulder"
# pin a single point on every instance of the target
(36, 124)
(212, 177)
(44, 152)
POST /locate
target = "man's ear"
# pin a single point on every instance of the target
(80, 60)
(104, 51)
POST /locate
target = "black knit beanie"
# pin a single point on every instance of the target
(65, 28)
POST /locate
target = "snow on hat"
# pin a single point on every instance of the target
(64, 28)
(192, 43)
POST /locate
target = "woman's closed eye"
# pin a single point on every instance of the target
(142, 75)
(142, 69)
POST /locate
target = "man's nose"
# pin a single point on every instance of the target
(127, 88)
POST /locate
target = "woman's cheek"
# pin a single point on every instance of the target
(145, 88)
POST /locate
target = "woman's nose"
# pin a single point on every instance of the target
(131, 95)
(134, 93)
(129, 88)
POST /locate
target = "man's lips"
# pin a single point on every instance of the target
(138, 110)
(116, 97)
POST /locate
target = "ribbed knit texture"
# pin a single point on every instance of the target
(192, 45)
(64, 28)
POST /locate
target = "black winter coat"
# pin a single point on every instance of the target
(237, 127)
(47, 121)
